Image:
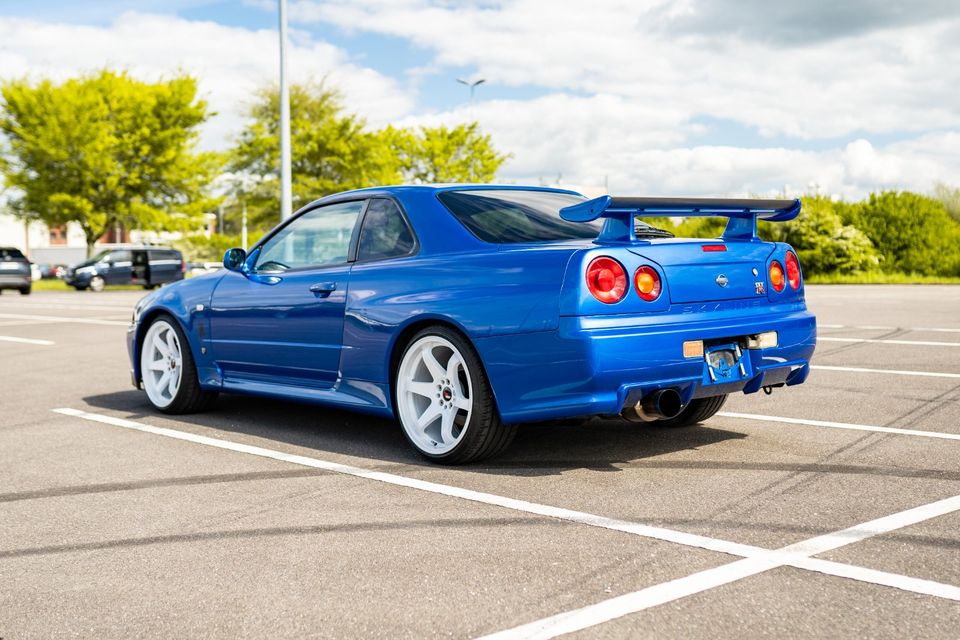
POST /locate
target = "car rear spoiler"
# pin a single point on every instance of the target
(619, 212)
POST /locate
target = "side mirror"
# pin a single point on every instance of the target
(234, 259)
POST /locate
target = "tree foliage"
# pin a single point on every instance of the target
(333, 151)
(914, 233)
(105, 149)
(949, 197)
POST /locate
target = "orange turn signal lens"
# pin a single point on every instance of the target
(646, 281)
(776, 276)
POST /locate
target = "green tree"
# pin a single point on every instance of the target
(949, 197)
(914, 233)
(441, 154)
(332, 151)
(105, 149)
(823, 243)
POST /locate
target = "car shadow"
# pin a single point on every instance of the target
(539, 449)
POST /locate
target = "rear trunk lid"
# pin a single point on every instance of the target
(695, 273)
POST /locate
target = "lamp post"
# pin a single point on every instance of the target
(286, 190)
(472, 85)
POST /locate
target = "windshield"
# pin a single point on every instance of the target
(514, 215)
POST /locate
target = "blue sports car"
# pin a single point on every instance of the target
(463, 311)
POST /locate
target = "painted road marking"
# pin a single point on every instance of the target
(841, 425)
(74, 320)
(899, 372)
(886, 328)
(45, 343)
(758, 556)
(921, 343)
(607, 610)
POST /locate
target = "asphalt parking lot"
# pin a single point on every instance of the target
(830, 509)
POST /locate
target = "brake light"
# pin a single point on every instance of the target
(793, 270)
(714, 247)
(776, 276)
(647, 283)
(183, 267)
(606, 280)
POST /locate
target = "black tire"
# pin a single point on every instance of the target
(26, 291)
(190, 398)
(149, 287)
(485, 435)
(697, 411)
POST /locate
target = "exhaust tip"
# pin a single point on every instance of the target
(661, 404)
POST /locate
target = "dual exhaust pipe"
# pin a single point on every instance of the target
(661, 404)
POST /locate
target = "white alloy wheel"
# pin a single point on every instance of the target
(434, 395)
(97, 283)
(161, 363)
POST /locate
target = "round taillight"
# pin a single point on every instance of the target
(646, 281)
(793, 270)
(606, 280)
(776, 276)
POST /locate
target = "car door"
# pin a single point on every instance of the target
(280, 321)
(118, 268)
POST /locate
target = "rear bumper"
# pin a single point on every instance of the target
(15, 281)
(593, 365)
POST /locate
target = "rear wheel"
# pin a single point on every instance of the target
(168, 370)
(444, 400)
(697, 411)
(25, 291)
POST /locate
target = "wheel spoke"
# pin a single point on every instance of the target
(429, 416)
(463, 403)
(161, 346)
(453, 369)
(446, 426)
(172, 344)
(425, 389)
(431, 361)
(174, 383)
(164, 381)
(158, 365)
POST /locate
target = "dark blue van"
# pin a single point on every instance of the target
(145, 266)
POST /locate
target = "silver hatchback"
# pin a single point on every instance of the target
(14, 271)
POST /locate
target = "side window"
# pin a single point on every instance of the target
(385, 234)
(119, 256)
(318, 237)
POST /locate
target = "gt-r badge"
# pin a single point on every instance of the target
(759, 287)
(722, 280)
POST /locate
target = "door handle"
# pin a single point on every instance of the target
(323, 289)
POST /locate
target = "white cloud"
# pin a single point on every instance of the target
(229, 62)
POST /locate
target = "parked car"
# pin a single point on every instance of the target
(465, 310)
(15, 271)
(51, 271)
(146, 266)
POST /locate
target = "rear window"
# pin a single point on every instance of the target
(11, 254)
(513, 215)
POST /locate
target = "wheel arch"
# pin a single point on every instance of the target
(145, 321)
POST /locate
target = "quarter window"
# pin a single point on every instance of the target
(385, 233)
(318, 237)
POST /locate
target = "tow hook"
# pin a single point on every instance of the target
(768, 389)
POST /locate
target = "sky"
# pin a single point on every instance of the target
(634, 97)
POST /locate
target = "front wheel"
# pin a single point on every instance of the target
(97, 283)
(444, 400)
(168, 370)
(696, 411)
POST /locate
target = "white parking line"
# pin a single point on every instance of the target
(886, 328)
(620, 606)
(69, 319)
(899, 372)
(45, 343)
(921, 343)
(841, 425)
(760, 558)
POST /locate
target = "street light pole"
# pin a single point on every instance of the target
(286, 190)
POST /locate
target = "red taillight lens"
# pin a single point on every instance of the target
(776, 276)
(793, 270)
(607, 280)
(714, 247)
(647, 283)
